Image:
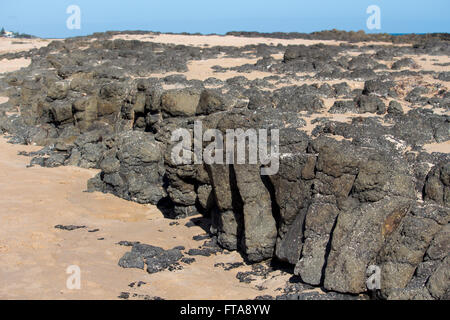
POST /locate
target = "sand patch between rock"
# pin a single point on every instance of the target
(217, 40)
(9, 45)
(443, 147)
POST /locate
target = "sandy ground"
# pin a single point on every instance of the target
(34, 255)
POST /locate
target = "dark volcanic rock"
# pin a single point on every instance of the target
(156, 258)
(292, 193)
(370, 104)
(347, 195)
(344, 106)
(69, 228)
(320, 220)
(162, 261)
(199, 252)
(405, 249)
(259, 223)
(182, 102)
(133, 169)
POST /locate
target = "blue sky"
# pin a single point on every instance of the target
(47, 18)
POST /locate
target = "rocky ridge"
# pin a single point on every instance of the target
(348, 194)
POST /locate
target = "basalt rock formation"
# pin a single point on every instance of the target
(348, 193)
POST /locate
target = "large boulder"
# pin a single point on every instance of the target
(133, 168)
(259, 223)
(180, 102)
(320, 220)
(439, 283)
(228, 218)
(86, 111)
(292, 185)
(405, 249)
(357, 238)
(210, 102)
(380, 88)
(58, 90)
(111, 98)
(61, 112)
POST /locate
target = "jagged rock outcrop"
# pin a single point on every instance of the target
(350, 191)
(132, 168)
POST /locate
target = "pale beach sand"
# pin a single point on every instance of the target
(34, 255)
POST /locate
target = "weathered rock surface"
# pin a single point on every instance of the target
(348, 193)
(157, 259)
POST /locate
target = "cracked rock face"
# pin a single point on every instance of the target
(156, 258)
(355, 186)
